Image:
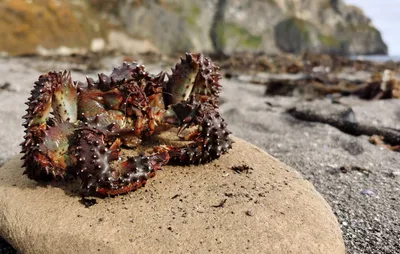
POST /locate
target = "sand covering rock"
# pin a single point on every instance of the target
(267, 208)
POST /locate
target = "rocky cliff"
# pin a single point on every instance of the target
(172, 26)
(32, 26)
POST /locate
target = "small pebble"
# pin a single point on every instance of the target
(367, 192)
(249, 213)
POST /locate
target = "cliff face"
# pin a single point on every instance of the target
(295, 26)
(27, 27)
(327, 26)
(171, 25)
(174, 26)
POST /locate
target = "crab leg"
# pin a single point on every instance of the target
(192, 97)
(211, 139)
(152, 122)
(139, 120)
(114, 150)
(46, 140)
(99, 177)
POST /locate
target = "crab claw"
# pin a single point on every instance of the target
(47, 138)
(194, 75)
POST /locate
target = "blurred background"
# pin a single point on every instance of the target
(294, 72)
(173, 26)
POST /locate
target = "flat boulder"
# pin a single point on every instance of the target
(244, 202)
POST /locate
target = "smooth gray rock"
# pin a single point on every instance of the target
(193, 209)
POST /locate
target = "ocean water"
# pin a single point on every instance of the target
(378, 58)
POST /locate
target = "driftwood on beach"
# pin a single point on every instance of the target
(346, 123)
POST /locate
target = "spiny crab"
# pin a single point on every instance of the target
(75, 129)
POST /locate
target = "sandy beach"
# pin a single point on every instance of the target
(359, 180)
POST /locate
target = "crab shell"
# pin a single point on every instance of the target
(76, 129)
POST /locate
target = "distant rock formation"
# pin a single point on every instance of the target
(225, 26)
(46, 26)
(273, 26)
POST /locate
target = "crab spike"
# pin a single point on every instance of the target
(100, 78)
(188, 58)
(112, 80)
(90, 82)
(160, 77)
(182, 128)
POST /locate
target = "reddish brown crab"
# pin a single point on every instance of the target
(75, 129)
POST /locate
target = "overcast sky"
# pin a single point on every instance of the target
(385, 15)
